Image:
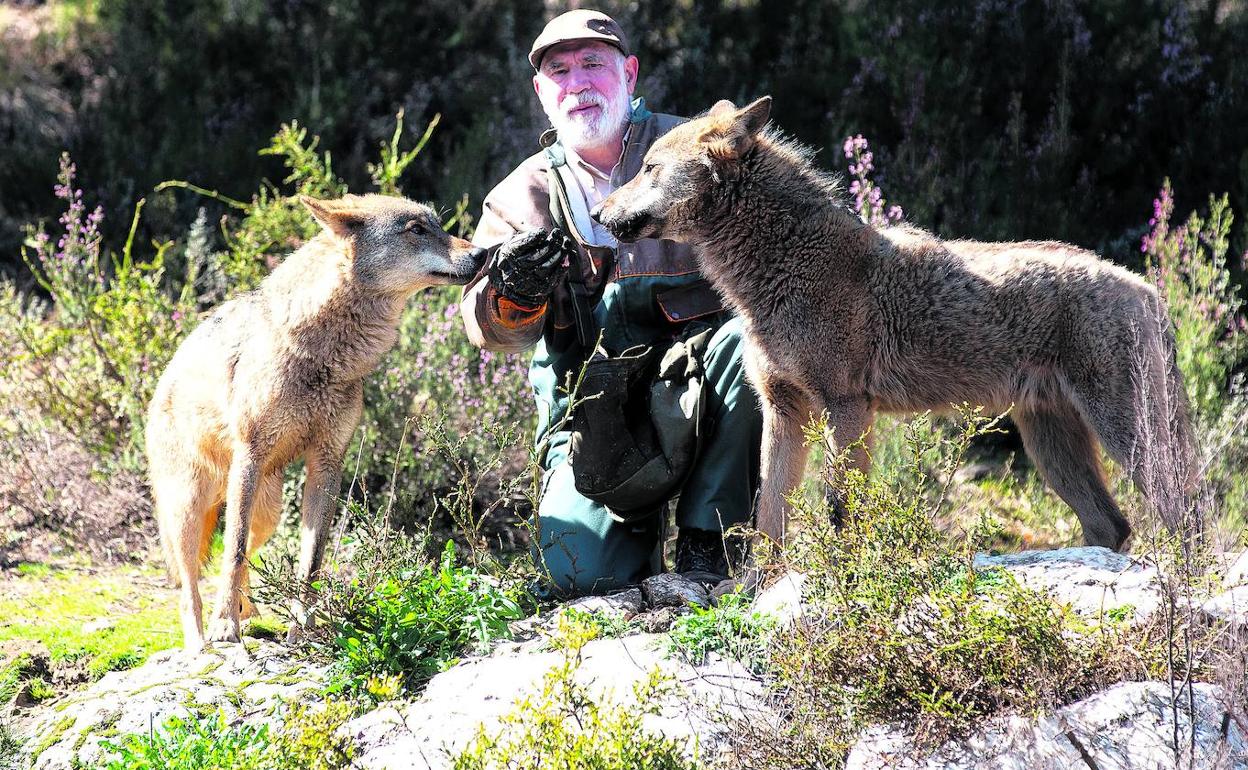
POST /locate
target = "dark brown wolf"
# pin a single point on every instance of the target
(276, 375)
(847, 318)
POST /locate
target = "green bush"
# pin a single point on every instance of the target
(417, 622)
(191, 743)
(902, 629)
(306, 739)
(564, 726)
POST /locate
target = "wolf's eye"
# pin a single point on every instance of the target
(414, 226)
(646, 169)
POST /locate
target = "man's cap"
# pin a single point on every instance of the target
(578, 25)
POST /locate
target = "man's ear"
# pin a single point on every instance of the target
(341, 217)
(732, 133)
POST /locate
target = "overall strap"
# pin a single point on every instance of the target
(561, 208)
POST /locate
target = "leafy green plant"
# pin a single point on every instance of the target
(413, 620)
(563, 726)
(191, 743)
(307, 739)
(731, 627)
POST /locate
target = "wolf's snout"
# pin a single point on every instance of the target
(478, 256)
(596, 213)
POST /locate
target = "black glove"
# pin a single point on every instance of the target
(528, 266)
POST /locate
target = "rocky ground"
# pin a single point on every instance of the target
(1128, 726)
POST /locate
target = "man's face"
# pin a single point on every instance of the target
(585, 87)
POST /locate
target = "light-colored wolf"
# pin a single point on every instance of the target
(275, 375)
(848, 318)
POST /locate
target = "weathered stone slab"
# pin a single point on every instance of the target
(1092, 580)
(1129, 726)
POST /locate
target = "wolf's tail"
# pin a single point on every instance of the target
(1173, 477)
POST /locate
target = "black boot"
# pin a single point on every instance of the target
(700, 555)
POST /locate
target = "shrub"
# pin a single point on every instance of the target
(1189, 264)
(902, 628)
(563, 726)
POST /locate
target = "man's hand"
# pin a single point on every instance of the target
(529, 265)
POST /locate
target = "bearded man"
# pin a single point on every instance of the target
(563, 295)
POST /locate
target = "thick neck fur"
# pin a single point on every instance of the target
(776, 195)
(321, 311)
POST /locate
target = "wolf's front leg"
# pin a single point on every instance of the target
(317, 513)
(848, 448)
(784, 453)
(240, 496)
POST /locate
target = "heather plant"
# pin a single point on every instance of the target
(869, 202)
(1189, 265)
(88, 356)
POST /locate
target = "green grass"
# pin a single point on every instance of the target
(56, 607)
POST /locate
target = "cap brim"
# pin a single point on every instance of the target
(535, 56)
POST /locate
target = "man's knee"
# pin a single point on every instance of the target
(581, 548)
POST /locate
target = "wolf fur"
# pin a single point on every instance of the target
(276, 375)
(847, 318)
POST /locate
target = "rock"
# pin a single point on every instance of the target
(973, 472)
(658, 620)
(622, 605)
(783, 598)
(1126, 727)
(672, 590)
(426, 733)
(67, 732)
(1092, 580)
(1235, 571)
(1229, 607)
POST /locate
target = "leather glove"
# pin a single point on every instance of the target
(528, 266)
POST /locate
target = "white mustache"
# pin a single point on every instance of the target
(582, 100)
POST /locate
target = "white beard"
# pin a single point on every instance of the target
(581, 132)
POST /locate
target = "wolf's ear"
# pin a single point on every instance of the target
(754, 116)
(340, 217)
(732, 133)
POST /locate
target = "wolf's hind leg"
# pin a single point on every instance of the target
(185, 510)
(264, 517)
(240, 497)
(1063, 448)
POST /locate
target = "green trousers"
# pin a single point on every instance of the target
(586, 549)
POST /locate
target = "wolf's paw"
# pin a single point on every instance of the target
(223, 630)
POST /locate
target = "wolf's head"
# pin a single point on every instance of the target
(681, 171)
(396, 245)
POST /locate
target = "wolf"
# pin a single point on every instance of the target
(847, 318)
(275, 375)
